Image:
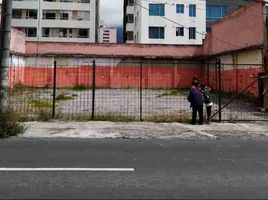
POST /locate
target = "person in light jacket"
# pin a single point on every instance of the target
(207, 100)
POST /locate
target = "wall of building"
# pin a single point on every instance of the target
(113, 50)
(17, 41)
(242, 29)
(230, 7)
(110, 73)
(238, 70)
(108, 35)
(72, 23)
(142, 21)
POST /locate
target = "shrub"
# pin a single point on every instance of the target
(9, 125)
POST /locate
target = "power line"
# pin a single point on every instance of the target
(204, 34)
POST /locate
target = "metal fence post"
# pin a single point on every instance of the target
(141, 88)
(220, 89)
(54, 89)
(93, 89)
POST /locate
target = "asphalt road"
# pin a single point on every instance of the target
(163, 169)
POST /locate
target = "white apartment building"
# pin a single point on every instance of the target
(165, 22)
(108, 35)
(57, 20)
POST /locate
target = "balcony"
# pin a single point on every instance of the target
(130, 27)
(25, 5)
(66, 6)
(130, 10)
(52, 23)
(61, 39)
(24, 22)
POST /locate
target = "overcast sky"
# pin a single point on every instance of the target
(111, 12)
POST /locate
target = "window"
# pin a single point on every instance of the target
(83, 15)
(83, 33)
(156, 32)
(130, 3)
(216, 12)
(179, 31)
(46, 32)
(30, 32)
(156, 9)
(64, 16)
(47, 14)
(192, 33)
(16, 14)
(180, 8)
(31, 14)
(129, 36)
(192, 10)
(130, 18)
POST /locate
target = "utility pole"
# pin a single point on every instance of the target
(5, 50)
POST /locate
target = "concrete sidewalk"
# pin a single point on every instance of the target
(144, 130)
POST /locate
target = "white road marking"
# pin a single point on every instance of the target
(68, 169)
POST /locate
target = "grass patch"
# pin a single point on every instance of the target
(41, 104)
(63, 97)
(83, 117)
(80, 88)
(182, 118)
(115, 118)
(44, 115)
(19, 89)
(171, 93)
(9, 125)
(245, 97)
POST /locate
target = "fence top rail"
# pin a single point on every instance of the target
(144, 63)
(243, 64)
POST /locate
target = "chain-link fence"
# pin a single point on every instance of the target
(127, 91)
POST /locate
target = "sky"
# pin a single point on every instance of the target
(111, 12)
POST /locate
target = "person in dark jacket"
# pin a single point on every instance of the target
(196, 99)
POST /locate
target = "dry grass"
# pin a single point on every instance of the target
(9, 125)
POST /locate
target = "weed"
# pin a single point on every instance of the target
(44, 115)
(180, 118)
(80, 88)
(171, 93)
(63, 97)
(9, 125)
(114, 118)
(41, 104)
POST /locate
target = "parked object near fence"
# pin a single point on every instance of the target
(132, 91)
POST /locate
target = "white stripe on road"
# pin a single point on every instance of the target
(70, 169)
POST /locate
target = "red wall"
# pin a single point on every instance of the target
(106, 77)
(233, 80)
(236, 80)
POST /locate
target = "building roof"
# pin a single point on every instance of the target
(112, 50)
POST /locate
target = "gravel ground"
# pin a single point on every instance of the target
(144, 130)
(126, 102)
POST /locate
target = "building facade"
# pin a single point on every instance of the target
(159, 22)
(107, 35)
(57, 20)
(216, 10)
